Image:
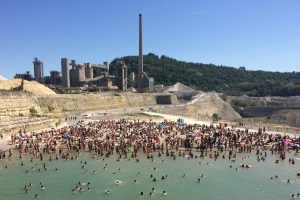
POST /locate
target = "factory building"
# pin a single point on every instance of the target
(146, 83)
(77, 74)
(88, 70)
(82, 75)
(131, 80)
(97, 75)
(88, 75)
(38, 70)
(121, 76)
(65, 76)
(55, 77)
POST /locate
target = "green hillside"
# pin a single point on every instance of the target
(209, 77)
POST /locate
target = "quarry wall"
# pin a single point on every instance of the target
(16, 112)
(166, 99)
(17, 103)
(19, 110)
(259, 111)
(82, 102)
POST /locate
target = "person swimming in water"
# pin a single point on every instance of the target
(43, 187)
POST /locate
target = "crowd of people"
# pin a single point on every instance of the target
(128, 138)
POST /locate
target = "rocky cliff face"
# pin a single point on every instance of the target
(19, 110)
(289, 117)
(293, 101)
(281, 110)
(205, 105)
(17, 103)
(82, 102)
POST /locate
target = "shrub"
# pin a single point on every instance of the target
(215, 117)
(50, 108)
(32, 111)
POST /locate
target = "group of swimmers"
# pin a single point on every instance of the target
(29, 186)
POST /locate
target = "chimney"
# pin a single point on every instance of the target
(141, 68)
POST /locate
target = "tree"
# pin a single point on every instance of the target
(210, 77)
(215, 117)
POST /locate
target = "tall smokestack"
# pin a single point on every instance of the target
(141, 68)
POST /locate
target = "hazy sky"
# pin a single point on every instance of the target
(257, 34)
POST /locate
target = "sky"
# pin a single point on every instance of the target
(256, 34)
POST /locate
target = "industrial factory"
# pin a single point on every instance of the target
(82, 76)
(93, 77)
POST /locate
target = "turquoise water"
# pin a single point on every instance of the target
(219, 182)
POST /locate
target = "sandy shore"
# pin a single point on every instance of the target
(194, 121)
(175, 117)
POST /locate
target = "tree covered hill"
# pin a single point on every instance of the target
(209, 77)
